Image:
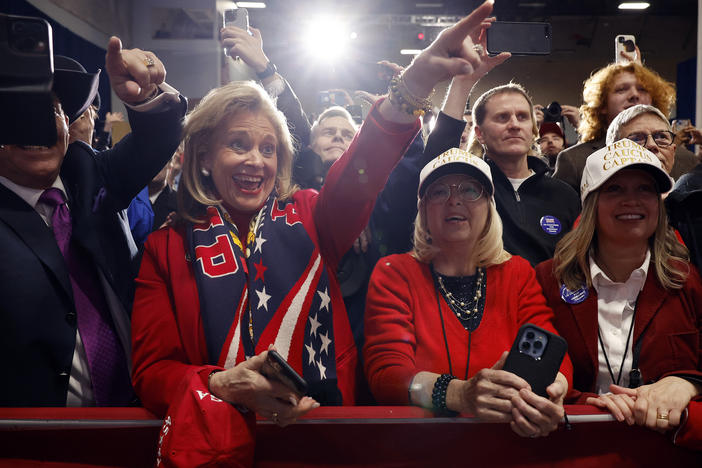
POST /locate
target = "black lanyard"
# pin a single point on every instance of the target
(626, 349)
(443, 329)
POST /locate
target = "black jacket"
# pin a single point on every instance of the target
(527, 229)
(684, 205)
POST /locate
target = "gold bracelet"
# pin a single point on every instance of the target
(402, 98)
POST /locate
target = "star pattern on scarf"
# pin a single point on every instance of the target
(260, 270)
(311, 352)
(314, 325)
(263, 298)
(325, 299)
(325, 342)
(259, 244)
(322, 370)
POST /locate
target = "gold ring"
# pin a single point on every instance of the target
(149, 62)
(479, 49)
(662, 416)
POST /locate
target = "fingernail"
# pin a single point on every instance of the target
(293, 400)
(315, 405)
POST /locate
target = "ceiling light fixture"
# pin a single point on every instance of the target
(634, 5)
(251, 4)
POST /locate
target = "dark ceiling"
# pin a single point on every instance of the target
(506, 10)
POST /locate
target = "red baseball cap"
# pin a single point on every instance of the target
(551, 127)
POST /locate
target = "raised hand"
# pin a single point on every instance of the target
(249, 47)
(134, 73)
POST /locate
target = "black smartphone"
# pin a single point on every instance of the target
(519, 38)
(26, 77)
(277, 368)
(536, 356)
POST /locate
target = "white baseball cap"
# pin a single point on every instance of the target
(455, 161)
(622, 154)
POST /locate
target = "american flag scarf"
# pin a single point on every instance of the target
(275, 288)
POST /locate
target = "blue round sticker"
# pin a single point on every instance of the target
(573, 297)
(550, 224)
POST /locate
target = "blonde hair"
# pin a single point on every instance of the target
(571, 265)
(196, 191)
(488, 250)
(480, 113)
(593, 123)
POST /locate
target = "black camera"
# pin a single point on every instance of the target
(552, 113)
(26, 81)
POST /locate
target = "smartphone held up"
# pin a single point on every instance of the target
(519, 38)
(624, 43)
(536, 356)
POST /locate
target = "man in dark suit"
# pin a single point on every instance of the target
(65, 277)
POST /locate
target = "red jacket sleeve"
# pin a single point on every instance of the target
(160, 361)
(355, 180)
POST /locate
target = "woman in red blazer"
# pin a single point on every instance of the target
(440, 319)
(625, 296)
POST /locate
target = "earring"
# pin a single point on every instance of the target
(205, 172)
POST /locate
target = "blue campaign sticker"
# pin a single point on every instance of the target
(550, 224)
(573, 297)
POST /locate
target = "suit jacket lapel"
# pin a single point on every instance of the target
(649, 302)
(29, 226)
(586, 317)
(84, 200)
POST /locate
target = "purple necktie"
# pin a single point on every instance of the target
(106, 358)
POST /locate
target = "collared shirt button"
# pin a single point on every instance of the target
(71, 318)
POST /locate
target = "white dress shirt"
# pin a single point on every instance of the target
(616, 303)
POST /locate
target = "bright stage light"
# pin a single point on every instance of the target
(327, 38)
(634, 5)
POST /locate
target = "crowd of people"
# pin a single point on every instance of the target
(387, 263)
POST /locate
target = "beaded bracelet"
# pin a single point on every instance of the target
(438, 395)
(402, 98)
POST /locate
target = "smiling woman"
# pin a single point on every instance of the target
(625, 296)
(438, 319)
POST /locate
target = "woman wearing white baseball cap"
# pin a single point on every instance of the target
(440, 318)
(625, 296)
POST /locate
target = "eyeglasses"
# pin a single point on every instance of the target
(468, 191)
(661, 139)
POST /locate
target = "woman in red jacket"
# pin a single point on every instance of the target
(625, 296)
(440, 319)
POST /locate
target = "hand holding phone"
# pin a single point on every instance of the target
(624, 43)
(536, 356)
(276, 368)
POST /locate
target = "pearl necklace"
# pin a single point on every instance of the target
(460, 308)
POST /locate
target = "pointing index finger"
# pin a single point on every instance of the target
(465, 26)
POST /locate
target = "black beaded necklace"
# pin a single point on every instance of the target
(465, 296)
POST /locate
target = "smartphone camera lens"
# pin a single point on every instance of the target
(530, 335)
(538, 345)
(526, 345)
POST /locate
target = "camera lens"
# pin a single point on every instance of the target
(530, 335)
(621, 39)
(526, 345)
(538, 345)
